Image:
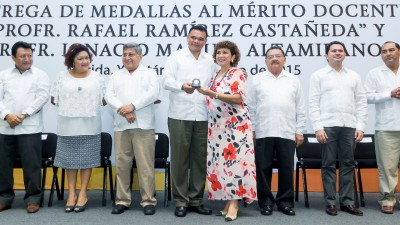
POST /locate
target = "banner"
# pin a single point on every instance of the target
(301, 28)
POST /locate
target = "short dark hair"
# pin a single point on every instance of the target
(395, 43)
(233, 48)
(274, 47)
(199, 27)
(74, 50)
(20, 44)
(328, 46)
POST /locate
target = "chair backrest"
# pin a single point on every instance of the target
(366, 148)
(162, 146)
(310, 149)
(49, 145)
(106, 144)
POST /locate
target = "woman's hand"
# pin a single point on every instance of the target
(205, 91)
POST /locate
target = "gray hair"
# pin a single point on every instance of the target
(133, 45)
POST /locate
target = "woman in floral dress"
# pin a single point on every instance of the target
(231, 171)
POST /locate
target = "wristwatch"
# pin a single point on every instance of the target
(216, 96)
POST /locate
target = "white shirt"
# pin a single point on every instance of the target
(141, 88)
(378, 85)
(78, 97)
(276, 105)
(23, 93)
(182, 67)
(79, 102)
(337, 99)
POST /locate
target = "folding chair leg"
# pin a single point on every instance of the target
(165, 188)
(53, 183)
(360, 187)
(305, 186)
(62, 183)
(111, 181)
(58, 189)
(169, 182)
(104, 201)
(296, 197)
(356, 199)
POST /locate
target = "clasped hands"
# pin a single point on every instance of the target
(322, 137)
(395, 93)
(127, 111)
(15, 120)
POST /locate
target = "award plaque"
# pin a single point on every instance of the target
(196, 83)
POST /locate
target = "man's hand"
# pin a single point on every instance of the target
(299, 139)
(130, 117)
(395, 93)
(125, 109)
(21, 117)
(187, 87)
(13, 120)
(358, 136)
(321, 136)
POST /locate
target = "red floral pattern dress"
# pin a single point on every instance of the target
(231, 171)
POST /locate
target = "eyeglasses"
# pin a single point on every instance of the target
(278, 56)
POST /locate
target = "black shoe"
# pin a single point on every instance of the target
(180, 211)
(118, 209)
(287, 210)
(80, 208)
(331, 210)
(199, 209)
(4, 207)
(351, 209)
(149, 210)
(267, 210)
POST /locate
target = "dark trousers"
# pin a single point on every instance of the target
(188, 141)
(265, 150)
(341, 144)
(29, 149)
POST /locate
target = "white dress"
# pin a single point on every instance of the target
(79, 102)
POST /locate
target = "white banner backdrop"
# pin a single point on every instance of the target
(302, 28)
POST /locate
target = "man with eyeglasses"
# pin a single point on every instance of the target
(383, 89)
(24, 90)
(187, 121)
(131, 93)
(338, 114)
(277, 108)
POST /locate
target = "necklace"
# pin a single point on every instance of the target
(212, 86)
(77, 75)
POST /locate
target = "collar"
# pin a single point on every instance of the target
(386, 68)
(189, 53)
(139, 68)
(16, 68)
(328, 69)
(282, 74)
